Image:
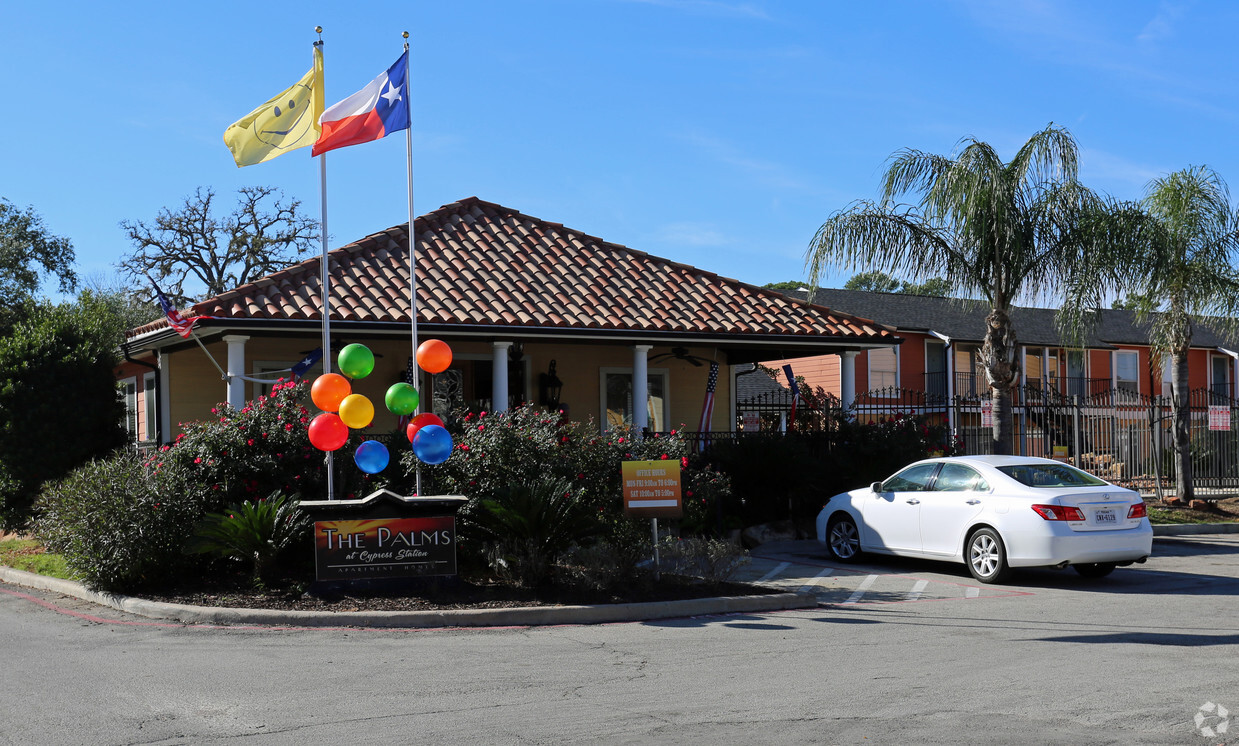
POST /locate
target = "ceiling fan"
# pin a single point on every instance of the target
(679, 353)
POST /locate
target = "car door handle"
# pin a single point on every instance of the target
(914, 501)
(974, 501)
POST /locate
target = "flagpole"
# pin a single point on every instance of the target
(325, 282)
(408, 149)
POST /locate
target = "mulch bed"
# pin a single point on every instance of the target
(436, 594)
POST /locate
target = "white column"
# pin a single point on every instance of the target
(640, 387)
(499, 376)
(236, 369)
(847, 378)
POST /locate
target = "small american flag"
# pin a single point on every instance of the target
(178, 322)
(707, 407)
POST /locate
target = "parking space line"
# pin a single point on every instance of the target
(861, 589)
(808, 586)
(778, 569)
(917, 590)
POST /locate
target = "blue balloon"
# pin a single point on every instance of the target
(372, 457)
(432, 444)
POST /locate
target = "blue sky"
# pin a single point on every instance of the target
(718, 133)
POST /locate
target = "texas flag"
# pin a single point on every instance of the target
(374, 112)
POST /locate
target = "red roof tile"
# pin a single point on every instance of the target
(480, 263)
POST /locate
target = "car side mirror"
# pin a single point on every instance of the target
(876, 487)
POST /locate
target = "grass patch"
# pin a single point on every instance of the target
(28, 555)
(1181, 515)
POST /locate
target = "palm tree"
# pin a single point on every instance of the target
(1181, 244)
(993, 230)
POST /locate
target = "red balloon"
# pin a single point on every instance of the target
(329, 390)
(328, 432)
(433, 356)
(420, 421)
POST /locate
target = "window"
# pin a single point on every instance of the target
(959, 478)
(1077, 375)
(935, 368)
(1219, 374)
(1033, 373)
(149, 408)
(617, 398)
(129, 393)
(883, 368)
(1127, 371)
(913, 479)
(1050, 475)
(969, 371)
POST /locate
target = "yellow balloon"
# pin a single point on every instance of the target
(356, 411)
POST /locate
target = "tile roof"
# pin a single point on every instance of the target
(964, 320)
(480, 263)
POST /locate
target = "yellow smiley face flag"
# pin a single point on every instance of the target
(286, 122)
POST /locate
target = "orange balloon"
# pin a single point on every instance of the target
(433, 356)
(420, 421)
(329, 390)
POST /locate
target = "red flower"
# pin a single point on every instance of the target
(249, 442)
(664, 457)
(198, 461)
(684, 462)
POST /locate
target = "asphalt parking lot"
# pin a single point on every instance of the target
(1178, 564)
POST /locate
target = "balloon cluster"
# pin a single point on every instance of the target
(342, 409)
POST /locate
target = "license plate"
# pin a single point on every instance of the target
(1105, 516)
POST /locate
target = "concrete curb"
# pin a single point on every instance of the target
(1188, 529)
(530, 616)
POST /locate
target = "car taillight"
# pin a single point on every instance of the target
(1059, 512)
(1139, 510)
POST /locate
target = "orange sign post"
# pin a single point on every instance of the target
(652, 488)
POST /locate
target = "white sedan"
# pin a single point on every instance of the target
(992, 513)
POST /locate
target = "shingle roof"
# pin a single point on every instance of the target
(964, 320)
(480, 263)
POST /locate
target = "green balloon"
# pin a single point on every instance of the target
(401, 399)
(356, 361)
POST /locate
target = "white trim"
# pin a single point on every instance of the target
(150, 408)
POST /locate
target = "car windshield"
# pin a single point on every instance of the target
(1051, 475)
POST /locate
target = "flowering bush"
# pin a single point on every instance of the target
(494, 451)
(117, 526)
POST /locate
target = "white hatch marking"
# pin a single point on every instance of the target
(778, 569)
(808, 587)
(861, 589)
(972, 592)
(917, 590)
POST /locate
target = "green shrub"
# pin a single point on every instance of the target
(525, 444)
(118, 526)
(526, 527)
(254, 534)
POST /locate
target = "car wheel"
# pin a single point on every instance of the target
(1095, 569)
(843, 539)
(986, 557)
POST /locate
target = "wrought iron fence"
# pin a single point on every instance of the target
(1120, 435)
